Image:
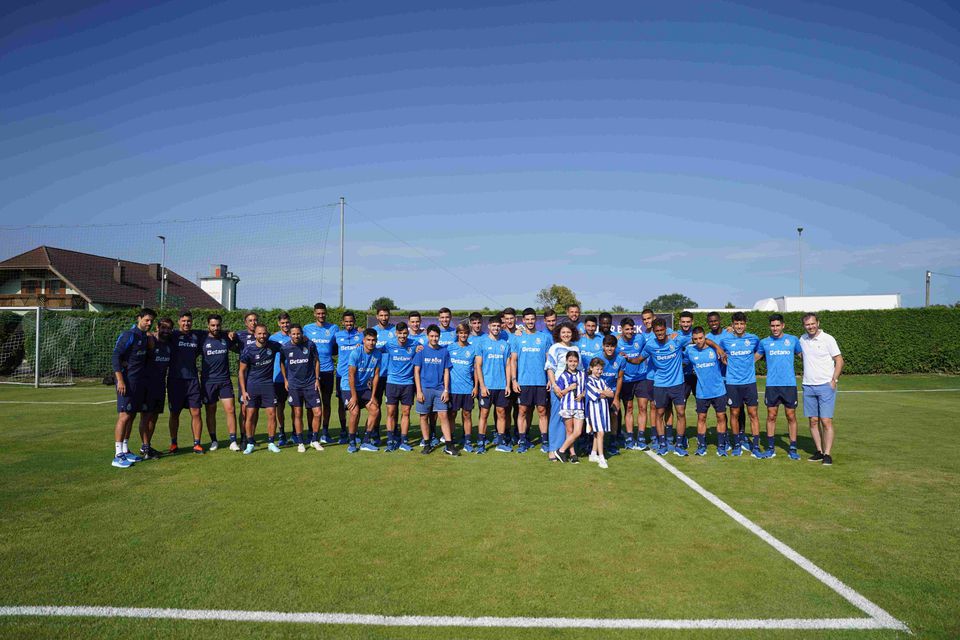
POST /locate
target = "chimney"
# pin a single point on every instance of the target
(154, 270)
(118, 273)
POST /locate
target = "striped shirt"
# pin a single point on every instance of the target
(598, 407)
(569, 401)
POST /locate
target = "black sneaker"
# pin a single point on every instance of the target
(561, 456)
(150, 453)
(574, 459)
(427, 448)
(827, 460)
(451, 450)
(817, 457)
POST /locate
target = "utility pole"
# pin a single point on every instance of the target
(800, 255)
(926, 302)
(342, 202)
(163, 272)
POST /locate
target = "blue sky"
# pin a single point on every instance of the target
(624, 149)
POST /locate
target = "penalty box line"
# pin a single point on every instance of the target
(881, 617)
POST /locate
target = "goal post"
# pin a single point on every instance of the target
(39, 346)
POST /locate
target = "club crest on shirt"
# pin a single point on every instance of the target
(672, 348)
(787, 342)
(711, 355)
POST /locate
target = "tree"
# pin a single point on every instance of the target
(557, 296)
(671, 302)
(617, 308)
(383, 301)
(729, 305)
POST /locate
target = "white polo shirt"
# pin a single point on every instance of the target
(818, 354)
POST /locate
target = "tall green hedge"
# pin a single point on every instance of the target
(924, 340)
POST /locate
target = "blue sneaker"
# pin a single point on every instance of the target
(369, 446)
(325, 438)
(132, 457)
(729, 447)
(613, 451)
(737, 451)
(121, 463)
(671, 447)
(497, 440)
(504, 448)
(641, 444)
(770, 453)
(344, 438)
(249, 449)
(756, 453)
(273, 447)
(523, 445)
(468, 447)
(721, 452)
(404, 446)
(745, 445)
(435, 442)
(792, 454)
(281, 440)
(663, 450)
(481, 446)
(680, 451)
(352, 447)
(701, 450)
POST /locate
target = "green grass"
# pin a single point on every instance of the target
(408, 534)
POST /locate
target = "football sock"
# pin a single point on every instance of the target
(756, 442)
(770, 442)
(124, 446)
(233, 437)
(118, 448)
(196, 442)
(270, 439)
(793, 444)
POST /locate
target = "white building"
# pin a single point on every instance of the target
(221, 286)
(829, 303)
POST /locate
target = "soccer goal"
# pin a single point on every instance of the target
(42, 347)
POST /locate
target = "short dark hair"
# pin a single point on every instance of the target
(165, 321)
(592, 319)
(568, 325)
(251, 313)
(383, 307)
(775, 316)
(215, 316)
(628, 322)
(610, 340)
(350, 314)
(646, 311)
(495, 318)
(605, 316)
(401, 326)
(370, 332)
(573, 305)
(414, 314)
(296, 326)
(146, 311)
(697, 329)
(258, 325)
(186, 313)
(595, 362)
(433, 329)
(283, 316)
(509, 311)
(444, 310)
(572, 354)
(738, 315)
(476, 315)
(659, 322)
(549, 313)
(713, 314)
(686, 314)
(320, 305)
(529, 311)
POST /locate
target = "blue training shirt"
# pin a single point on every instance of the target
(494, 354)
(531, 351)
(461, 367)
(432, 363)
(740, 362)
(300, 361)
(590, 348)
(779, 354)
(706, 366)
(448, 336)
(130, 354)
(366, 365)
(716, 338)
(259, 361)
(215, 358)
(398, 361)
(612, 368)
(324, 337)
(347, 343)
(280, 338)
(666, 360)
(687, 367)
(418, 338)
(158, 364)
(184, 349)
(631, 349)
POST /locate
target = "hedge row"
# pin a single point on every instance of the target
(924, 340)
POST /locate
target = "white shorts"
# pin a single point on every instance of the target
(571, 413)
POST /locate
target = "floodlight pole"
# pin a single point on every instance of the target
(342, 202)
(800, 255)
(926, 302)
(163, 272)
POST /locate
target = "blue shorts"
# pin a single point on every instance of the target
(689, 385)
(787, 396)
(364, 394)
(279, 392)
(214, 390)
(662, 396)
(742, 394)
(461, 402)
(431, 402)
(306, 396)
(497, 398)
(644, 390)
(135, 398)
(262, 396)
(156, 398)
(183, 394)
(381, 387)
(326, 384)
(818, 400)
(401, 394)
(719, 404)
(533, 395)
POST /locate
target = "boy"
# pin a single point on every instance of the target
(431, 375)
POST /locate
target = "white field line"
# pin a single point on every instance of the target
(882, 618)
(50, 402)
(893, 390)
(447, 621)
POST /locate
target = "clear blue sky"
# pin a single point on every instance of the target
(623, 149)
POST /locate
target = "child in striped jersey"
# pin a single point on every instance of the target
(571, 385)
(598, 410)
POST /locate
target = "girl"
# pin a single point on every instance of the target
(570, 389)
(565, 337)
(598, 410)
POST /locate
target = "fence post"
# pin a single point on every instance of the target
(36, 353)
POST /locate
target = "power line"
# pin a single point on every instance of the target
(169, 220)
(424, 255)
(948, 275)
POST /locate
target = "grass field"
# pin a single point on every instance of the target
(498, 535)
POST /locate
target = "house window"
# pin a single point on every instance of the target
(30, 287)
(54, 287)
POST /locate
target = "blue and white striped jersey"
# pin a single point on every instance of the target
(569, 401)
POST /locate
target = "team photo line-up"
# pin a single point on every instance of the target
(582, 378)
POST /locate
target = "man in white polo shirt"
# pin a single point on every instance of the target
(822, 364)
